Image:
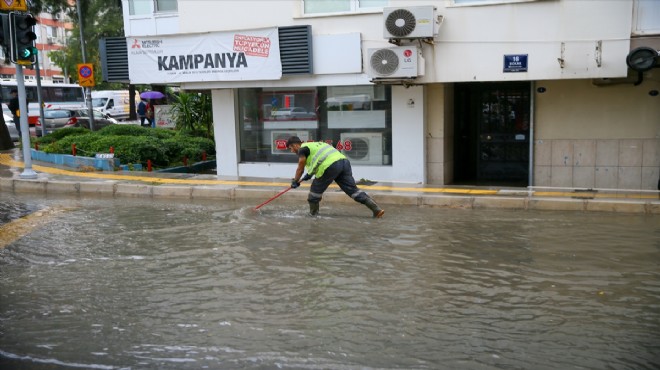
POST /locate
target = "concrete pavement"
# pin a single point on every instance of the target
(52, 179)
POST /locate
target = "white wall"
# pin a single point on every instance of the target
(150, 24)
(472, 40)
(225, 132)
(470, 47)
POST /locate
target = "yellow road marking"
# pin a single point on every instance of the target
(8, 161)
(20, 227)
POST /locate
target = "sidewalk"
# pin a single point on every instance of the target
(52, 179)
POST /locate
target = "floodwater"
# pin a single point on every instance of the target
(143, 284)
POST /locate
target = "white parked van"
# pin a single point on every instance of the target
(115, 103)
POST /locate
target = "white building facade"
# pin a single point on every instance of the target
(506, 92)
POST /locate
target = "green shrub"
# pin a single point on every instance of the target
(135, 149)
(64, 145)
(131, 144)
(188, 146)
(204, 144)
(60, 134)
(124, 130)
(133, 130)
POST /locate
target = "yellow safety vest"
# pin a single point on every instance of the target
(321, 156)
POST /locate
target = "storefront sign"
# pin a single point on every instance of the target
(217, 56)
(164, 117)
(515, 63)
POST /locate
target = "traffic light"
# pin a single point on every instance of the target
(21, 29)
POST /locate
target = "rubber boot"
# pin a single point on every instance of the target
(378, 212)
(313, 209)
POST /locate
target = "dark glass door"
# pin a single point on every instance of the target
(492, 133)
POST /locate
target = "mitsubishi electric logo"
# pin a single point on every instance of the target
(146, 44)
(152, 46)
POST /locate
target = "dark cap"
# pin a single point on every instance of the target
(293, 140)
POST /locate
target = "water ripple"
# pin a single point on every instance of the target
(185, 285)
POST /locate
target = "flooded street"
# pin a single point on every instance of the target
(147, 284)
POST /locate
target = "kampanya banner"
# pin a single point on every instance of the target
(218, 56)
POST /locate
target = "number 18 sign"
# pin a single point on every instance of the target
(515, 63)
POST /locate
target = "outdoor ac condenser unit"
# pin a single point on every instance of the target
(365, 147)
(413, 22)
(400, 62)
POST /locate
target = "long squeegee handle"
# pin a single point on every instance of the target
(273, 198)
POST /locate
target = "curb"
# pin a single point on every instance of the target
(529, 202)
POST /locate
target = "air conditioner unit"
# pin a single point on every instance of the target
(51, 40)
(363, 147)
(399, 62)
(413, 22)
(278, 140)
(58, 16)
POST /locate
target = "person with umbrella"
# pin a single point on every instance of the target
(150, 113)
(142, 111)
(150, 96)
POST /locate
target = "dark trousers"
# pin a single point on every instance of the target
(17, 123)
(341, 173)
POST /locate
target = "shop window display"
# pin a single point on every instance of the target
(354, 119)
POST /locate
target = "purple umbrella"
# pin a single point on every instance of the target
(152, 95)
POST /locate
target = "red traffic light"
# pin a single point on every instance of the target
(26, 22)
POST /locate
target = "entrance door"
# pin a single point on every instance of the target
(492, 133)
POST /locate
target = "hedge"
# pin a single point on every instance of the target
(132, 144)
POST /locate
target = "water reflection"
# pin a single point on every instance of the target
(169, 285)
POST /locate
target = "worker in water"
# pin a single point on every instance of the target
(326, 164)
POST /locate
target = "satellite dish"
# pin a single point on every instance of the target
(642, 59)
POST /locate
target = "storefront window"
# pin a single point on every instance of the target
(354, 119)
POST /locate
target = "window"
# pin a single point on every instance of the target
(644, 22)
(488, 2)
(147, 7)
(354, 119)
(166, 6)
(341, 6)
(139, 7)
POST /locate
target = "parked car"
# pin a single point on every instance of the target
(9, 122)
(110, 118)
(55, 119)
(291, 113)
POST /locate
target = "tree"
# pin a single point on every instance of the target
(101, 18)
(5, 138)
(193, 112)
